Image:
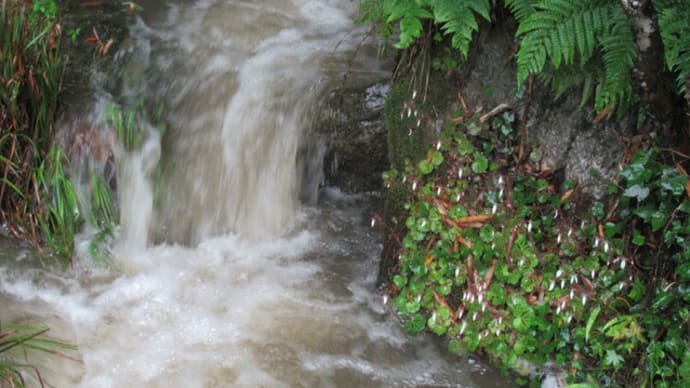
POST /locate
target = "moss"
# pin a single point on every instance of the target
(407, 144)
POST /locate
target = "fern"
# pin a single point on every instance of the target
(521, 9)
(573, 33)
(619, 50)
(569, 77)
(457, 18)
(409, 14)
(555, 30)
(674, 26)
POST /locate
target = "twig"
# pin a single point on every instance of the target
(500, 108)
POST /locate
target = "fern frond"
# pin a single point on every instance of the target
(569, 77)
(619, 52)
(409, 14)
(674, 26)
(560, 30)
(458, 18)
(521, 9)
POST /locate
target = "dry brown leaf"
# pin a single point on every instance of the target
(474, 220)
(566, 196)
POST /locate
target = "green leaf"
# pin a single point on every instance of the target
(684, 369)
(637, 238)
(416, 324)
(535, 155)
(425, 167)
(612, 358)
(465, 147)
(590, 322)
(637, 191)
(598, 210)
(659, 219)
(480, 164)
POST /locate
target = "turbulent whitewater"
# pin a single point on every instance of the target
(230, 280)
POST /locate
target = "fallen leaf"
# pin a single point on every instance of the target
(605, 112)
(566, 196)
(474, 220)
(441, 301)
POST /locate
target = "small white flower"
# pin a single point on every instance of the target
(433, 316)
(572, 294)
(494, 209)
(559, 273)
(462, 328)
(558, 239)
(373, 222)
(593, 273)
(500, 180)
(414, 94)
(584, 300)
(414, 186)
(596, 242)
(484, 307)
(570, 232)
(409, 132)
(457, 197)
(500, 194)
(457, 271)
(558, 310)
(461, 312)
(404, 179)
(552, 285)
(409, 112)
(474, 316)
(480, 298)
(570, 318)
(438, 145)
(419, 122)
(555, 215)
(562, 283)
(623, 262)
(438, 191)
(419, 298)
(529, 226)
(385, 299)
(460, 172)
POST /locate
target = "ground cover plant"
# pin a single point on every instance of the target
(503, 259)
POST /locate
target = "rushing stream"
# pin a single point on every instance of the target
(232, 281)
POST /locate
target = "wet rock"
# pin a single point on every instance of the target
(351, 122)
(586, 152)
